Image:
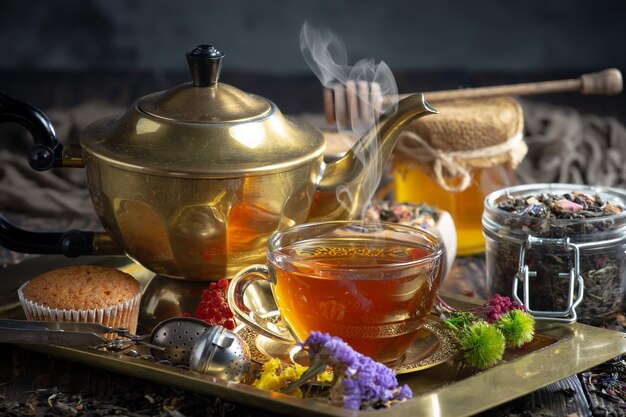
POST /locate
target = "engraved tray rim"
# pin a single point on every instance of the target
(577, 347)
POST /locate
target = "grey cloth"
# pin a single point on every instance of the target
(567, 147)
(43, 194)
(58, 192)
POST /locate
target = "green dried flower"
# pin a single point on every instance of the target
(460, 320)
(482, 344)
(517, 326)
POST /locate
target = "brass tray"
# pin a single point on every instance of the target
(435, 344)
(557, 352)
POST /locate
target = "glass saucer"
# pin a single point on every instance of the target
(435, 344)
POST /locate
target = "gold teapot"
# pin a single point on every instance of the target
(190, 182)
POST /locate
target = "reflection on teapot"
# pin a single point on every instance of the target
(198, 236)
(143, 233)
(190, 182)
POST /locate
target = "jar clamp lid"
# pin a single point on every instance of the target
(576, 282)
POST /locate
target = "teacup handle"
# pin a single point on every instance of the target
(236, 291)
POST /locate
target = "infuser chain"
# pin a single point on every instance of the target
(125, 340)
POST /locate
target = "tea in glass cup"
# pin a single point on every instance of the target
(372, 284)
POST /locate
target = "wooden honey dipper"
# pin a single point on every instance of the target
(342, 104)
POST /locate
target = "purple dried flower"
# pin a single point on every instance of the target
(535, 210)
(405, 393)
(332, 350)
(316, 340)
(363, 382)
(347, 393)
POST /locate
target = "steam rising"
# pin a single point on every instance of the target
(326, 55)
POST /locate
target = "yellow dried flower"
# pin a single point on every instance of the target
(276, 376)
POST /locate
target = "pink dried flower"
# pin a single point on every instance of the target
(565, 205)
(498, 306)
(403, 212)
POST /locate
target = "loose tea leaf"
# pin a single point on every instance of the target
(606, 387)
(418, 215)
(163, 402)
(566, 206)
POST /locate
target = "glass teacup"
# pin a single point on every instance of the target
(373, 285)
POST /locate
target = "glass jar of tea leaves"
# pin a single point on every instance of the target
(558, 248)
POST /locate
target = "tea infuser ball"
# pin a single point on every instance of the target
(221, 353)
(176, 338)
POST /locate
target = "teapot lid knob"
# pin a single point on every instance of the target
(205, 63)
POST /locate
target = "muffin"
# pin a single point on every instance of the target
(85, 293)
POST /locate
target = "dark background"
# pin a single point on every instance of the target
(61, 53)
(263, 36)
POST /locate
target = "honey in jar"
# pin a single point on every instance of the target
(454, 160)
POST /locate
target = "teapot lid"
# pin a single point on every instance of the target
(203, 128)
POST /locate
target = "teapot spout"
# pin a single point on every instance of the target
(347, 185)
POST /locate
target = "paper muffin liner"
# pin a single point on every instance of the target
(118, 315)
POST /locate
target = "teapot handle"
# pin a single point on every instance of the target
(47, 153)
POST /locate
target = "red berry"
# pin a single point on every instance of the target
(213, 307)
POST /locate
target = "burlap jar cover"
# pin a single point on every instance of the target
(466, 135)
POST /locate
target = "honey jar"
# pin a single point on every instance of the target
(454, 160)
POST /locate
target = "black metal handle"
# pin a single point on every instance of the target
(47, 153)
